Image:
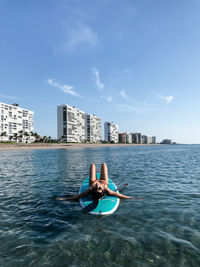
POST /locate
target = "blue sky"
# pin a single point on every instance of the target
(134, 62)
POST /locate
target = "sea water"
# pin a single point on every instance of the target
(163, 229)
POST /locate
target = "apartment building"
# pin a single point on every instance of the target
(93, 128)
(111, 132)
(71, 125)
(146, 139)
(153, 139)
(74, 125)
(122, 138)
(128, 138)
(167, 141)
(137, 138)
(14, 119)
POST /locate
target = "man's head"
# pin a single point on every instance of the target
(98, 191)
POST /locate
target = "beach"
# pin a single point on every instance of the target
(22, 146)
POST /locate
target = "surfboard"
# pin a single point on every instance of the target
(107, 205)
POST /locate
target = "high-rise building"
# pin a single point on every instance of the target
(153, 139)
(144, 139)
(74, 125)
(128, 138)
(15, 120)
(70, 124)
(93, 128)
(137, 138)
(147, 139)
(111, 132)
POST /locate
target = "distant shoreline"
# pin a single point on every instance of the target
(33, 146)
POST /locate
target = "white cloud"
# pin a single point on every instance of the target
(123, 94)
(167, 99)
(109, 99)
(9, 97)
(98, 83)
(68, 89)
(80, 36)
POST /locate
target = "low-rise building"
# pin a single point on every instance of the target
(122, 138)
(125, 138)
(167, 141)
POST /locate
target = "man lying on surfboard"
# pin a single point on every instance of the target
(97, 188)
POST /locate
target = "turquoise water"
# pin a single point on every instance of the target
(163, 229)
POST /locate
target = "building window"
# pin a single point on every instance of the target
(64, 116)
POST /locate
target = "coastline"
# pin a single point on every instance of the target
(33, 146)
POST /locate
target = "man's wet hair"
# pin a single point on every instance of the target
(97, 195)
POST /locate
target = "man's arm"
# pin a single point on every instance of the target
(77, 197)
(115, 194)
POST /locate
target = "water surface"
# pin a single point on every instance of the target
(163, 229)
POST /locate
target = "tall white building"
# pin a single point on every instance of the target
(74, 125)
(153, 139)
(146, 139)
(14, 119)
(93, 128)
(128, 138)
(136, 138)
(111, 132)
(71, 124)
